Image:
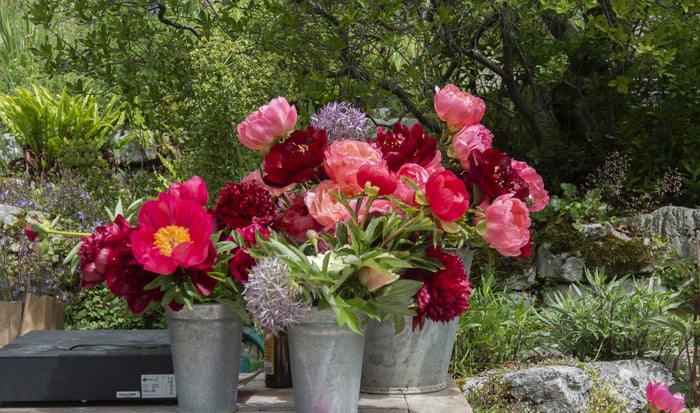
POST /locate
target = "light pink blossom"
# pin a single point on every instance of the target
(415, 173)
(194, 189)
(661, 398)
(458, 108)
(538, 197)
(468, 139)
(268, 124)
(507, 225)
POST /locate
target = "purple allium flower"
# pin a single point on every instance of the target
(341, 121)
(272, 300)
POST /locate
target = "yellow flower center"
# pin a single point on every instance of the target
(167, 238)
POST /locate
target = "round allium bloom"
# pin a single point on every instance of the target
(458, 108)
(341, 121)
(507, 225)
(447, 196)
(492, 171)
(343, 159)
(401, 146)
(266, 125)
(469, 139)
(538, 197)
(271, 298)
(172, 233)
(661, 398)
(323, 203)
(240, 205)
(193, 188)
(297, 159)
(445, 293)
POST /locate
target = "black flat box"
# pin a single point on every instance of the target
(78, 365)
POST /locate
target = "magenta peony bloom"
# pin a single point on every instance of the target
(401, 145)
(458, 108)
(297, 159)
(343, 159)
(194, 189)
(172, 233)
(243, 204)
(265, 126)
(445, 293)
(661, 398)
(538, 197)
(469, 139)
(507, 225)
(447, 196)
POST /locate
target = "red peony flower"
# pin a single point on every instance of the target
(492, 171)
(297, 220)
(381, 178)
(193, 188)
(298, 158)
(444, 294)
(172, 233)
(240, 264)
(401, 145)
(240, 205)
(447, 196)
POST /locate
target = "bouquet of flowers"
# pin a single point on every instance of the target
(337, 218)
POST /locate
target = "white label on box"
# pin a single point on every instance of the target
(128, 395)
(157, 386)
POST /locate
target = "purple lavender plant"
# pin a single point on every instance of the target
(341, 121)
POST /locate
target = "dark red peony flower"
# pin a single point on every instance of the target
(298, 158)
(297, 220)
(445, 293)
(401, 145)
(492, 171)
(243, 204)
(240, 264)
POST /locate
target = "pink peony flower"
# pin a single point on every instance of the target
(343, 159)
(193, 188)
(323, 202)
(266, 125)
(469, 139)
(661, 398)
(458, 108)
(507, 225)
(447, 196)
(538, 197)
(416, 174)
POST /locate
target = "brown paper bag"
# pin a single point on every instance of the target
(10, 320)
(42, 313)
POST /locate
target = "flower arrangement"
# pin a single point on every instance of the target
(337, 218)
(333, 218)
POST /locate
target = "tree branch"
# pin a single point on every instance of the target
(162, 8)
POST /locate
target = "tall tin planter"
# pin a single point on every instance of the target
(326, 365)
(205, 343)
(413, 361)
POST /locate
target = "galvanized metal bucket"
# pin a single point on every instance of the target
(408, 363)
(205, 343)
(326, 365)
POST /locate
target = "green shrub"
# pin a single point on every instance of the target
(606, 319)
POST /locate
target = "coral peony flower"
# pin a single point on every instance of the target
(401, 145)
(538, 197)
(172, 232)
(343, 159)
(447, 196)
(323, 202)
(243, 204)
(507, 222)
(416, 174)
(492, 171)
(378, 177)
(445, 293)
(298, 158)
(469, 139)
(661, 398)
(193, 188)
(265, 126)
(458, 108)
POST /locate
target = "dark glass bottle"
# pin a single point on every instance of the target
(278, 370)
